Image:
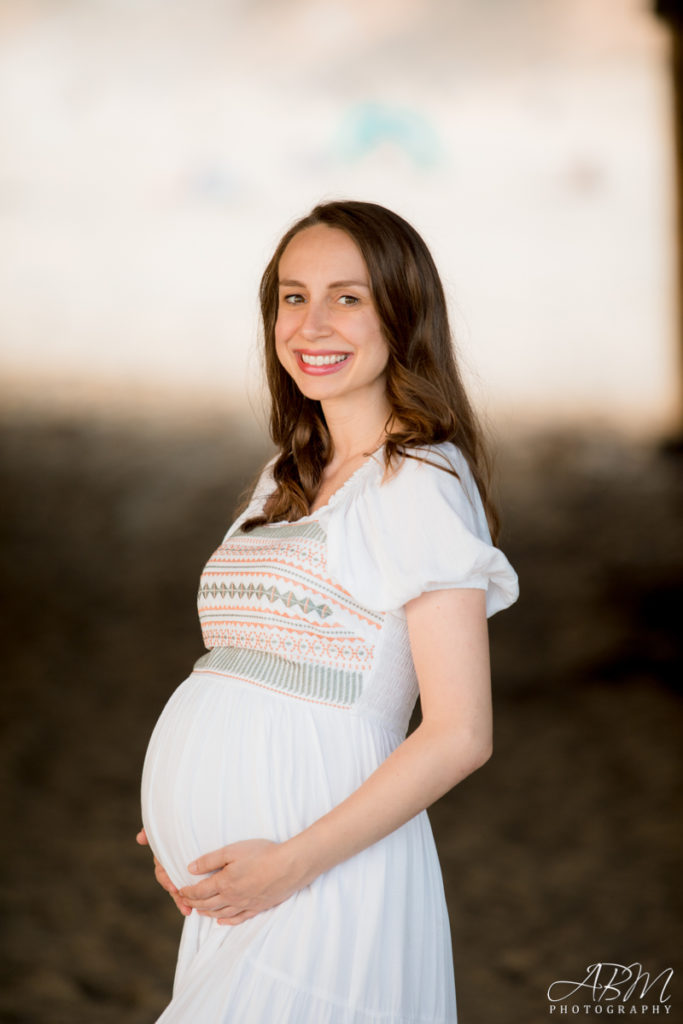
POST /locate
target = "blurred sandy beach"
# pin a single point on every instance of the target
(563, 851)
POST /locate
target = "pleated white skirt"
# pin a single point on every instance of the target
(367, 942)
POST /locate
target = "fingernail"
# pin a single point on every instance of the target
(193, 866)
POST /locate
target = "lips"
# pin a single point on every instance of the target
(318, 363)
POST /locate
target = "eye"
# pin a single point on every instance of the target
(293, 299)
(348, 300)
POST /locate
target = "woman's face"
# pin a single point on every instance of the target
(328, 336)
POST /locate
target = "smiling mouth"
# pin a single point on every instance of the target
(323, 360)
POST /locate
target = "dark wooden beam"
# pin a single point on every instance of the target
(671, 12)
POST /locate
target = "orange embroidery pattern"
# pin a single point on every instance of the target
(269, 592)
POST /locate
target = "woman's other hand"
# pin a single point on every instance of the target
(162, 878)
(248, 877)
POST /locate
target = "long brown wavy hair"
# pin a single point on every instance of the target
(423, 384)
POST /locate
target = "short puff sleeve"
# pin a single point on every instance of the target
(421, 529)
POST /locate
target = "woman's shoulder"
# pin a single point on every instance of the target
(422, 475)
(419, 525)
(424, 460)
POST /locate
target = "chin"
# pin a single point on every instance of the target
(316, 392)
(318, 388)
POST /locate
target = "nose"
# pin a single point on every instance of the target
(315, 323)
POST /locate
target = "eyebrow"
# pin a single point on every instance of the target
(288, 283)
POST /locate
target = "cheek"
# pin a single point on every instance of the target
(280, 352)
(381, 352)
(373, 339)
(286, 359)
(285, 326)
(280, 338)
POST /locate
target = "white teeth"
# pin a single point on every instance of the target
(322, 360)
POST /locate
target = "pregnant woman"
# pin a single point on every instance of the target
(284, 805)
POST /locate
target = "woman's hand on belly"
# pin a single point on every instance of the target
(162, 877)
(248, 877)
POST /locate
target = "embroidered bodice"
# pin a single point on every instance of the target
(314, 608)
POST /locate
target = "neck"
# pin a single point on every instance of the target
(355, 428)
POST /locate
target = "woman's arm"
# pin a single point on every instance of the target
(449, 641)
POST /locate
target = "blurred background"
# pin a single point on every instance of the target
(153, 153)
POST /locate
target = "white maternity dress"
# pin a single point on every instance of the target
(307, 687)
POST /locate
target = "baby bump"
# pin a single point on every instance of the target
(231, 760)
(205, 775)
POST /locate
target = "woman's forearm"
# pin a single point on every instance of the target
(427, 764)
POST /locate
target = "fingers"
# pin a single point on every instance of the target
(163, 878)
(210, 861)
(166, 883)
(238, 918)
(221, 912)
(202, 891)
(217, 902)
(210, 901)
(182, 907)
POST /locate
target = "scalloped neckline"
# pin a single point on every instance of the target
(337, 495)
